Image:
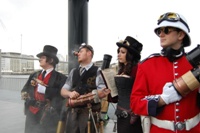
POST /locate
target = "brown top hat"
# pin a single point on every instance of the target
(132, 45)
(49, 51)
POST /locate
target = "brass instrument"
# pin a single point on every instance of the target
(190, 80)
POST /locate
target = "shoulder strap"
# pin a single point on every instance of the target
(151, 56)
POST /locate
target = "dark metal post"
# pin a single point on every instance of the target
(77, 28)
(0, 63)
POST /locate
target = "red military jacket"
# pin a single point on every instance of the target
(152, 75)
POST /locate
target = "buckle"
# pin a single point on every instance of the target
(39, 104)
(124, 114)
(179, 125)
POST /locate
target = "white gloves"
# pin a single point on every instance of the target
(41, 89)
(169, 94)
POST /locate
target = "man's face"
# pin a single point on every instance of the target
(43, 62)
(84, 55)
(170, 37)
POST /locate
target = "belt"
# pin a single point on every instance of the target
(171, 125)
(124, 113)
(39, 104)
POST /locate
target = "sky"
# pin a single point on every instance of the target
(27, 25)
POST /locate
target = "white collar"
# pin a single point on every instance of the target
(48, 70)
(88, 66)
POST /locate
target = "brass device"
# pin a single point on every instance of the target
(191, 79)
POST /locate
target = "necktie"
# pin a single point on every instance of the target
(43, 74)
(81, 70)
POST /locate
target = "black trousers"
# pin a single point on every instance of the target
(77, 121)
(40, 122)
(124, 126)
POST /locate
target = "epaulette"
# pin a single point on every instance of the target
(150, 56)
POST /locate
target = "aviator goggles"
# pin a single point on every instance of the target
(172, 17)
(125, 42)
(165, 30)
(83, 45)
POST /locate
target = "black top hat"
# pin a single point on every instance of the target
(132, 45)
(49, 51)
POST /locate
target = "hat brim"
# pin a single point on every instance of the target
(131, 50)
(49, 55)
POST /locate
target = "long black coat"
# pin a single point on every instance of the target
(55, 84)
(52, 93)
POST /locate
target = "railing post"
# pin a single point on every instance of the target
(0, 63)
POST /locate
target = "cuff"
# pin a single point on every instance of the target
(153, 108)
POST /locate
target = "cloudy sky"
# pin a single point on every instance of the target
(25, 24)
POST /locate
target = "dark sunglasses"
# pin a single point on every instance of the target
(165, 30)
(172, 17)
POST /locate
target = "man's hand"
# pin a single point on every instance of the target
(74, 95)
(24, 95)
(103, 92)
(169, 94)
(40, 82)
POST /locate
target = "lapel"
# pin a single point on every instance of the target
(31, 88)
(52, 79)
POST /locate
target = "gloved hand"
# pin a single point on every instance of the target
(169, 94)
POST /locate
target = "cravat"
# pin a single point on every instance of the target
(43, 74)
(81, 70)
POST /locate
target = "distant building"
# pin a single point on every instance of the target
(16, 62)
(62, 65)
(113, 65)
(99, 63)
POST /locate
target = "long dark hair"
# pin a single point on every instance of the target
(131, 62)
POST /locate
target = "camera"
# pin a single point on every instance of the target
(191, 79)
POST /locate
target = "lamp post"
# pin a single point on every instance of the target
(77, 28)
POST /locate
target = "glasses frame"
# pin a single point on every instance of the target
(165, 30)
(167, 17)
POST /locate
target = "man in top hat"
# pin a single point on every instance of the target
(41, 93)
(83, 89)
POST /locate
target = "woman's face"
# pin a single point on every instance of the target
(122, 55)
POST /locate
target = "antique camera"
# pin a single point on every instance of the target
(191, 79)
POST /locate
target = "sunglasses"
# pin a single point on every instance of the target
(172, 17)
(165, 30)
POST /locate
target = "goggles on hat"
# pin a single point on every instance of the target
(84, 45)
(172, 17)
(124, 42)
(166, 30)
